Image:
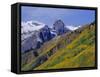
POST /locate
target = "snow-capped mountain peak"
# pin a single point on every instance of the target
(73, 27)
(31, 26)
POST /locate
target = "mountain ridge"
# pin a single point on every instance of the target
(39, 33)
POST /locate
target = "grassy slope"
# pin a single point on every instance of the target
(46, 47)
(79, 53)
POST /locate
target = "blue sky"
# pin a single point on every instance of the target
(50, 15)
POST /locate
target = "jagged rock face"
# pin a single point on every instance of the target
(45, 34)
(30, 43)
(59, 27)
(37, 39)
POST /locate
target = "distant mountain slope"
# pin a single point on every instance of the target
(33, 35)
(79, 53)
